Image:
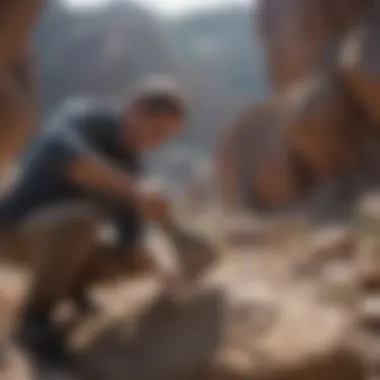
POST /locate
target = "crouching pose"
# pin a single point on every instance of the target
(84, 174)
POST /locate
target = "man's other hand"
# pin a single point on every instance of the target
(153, 204)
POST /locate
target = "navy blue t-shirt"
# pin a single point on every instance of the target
(76, 129)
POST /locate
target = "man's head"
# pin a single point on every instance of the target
(155, 112)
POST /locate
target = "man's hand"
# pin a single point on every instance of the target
(152, 204)
(166, 266)
(174, 285)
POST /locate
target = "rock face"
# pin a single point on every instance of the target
(278, 150)
(323, 127)
(323, 60)
(249, 317)
(237, 327)
(294, 34)
(253, 164)
(301, 37)
(17, 108)
(360, 60)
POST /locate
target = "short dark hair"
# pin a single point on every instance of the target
(159, 97)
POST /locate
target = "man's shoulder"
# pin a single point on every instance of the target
(82, 111)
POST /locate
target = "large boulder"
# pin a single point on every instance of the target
(17, 97)
(325, 127)
(360, 62)
(236, 327)
(301, 36)
(248, 318)
(253, 163)
(276, 151)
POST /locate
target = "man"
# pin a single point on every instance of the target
(84, 171)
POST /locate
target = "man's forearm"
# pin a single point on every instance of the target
(93, 173)
(162, 251)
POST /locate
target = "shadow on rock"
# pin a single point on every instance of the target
(167, 342)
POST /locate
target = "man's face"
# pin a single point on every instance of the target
(151, 131)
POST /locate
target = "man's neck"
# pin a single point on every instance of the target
(128, 136)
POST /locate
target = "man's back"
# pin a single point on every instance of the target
(76, 129)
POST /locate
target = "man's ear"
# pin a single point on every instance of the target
(132, 112)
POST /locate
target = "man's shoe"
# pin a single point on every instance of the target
(43, 343)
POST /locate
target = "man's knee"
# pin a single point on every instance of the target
(63, 226)
(109, 265)
(79, 218)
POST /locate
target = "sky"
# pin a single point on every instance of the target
(164, 6)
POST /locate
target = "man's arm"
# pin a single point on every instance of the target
(95, 173)
(89, 169)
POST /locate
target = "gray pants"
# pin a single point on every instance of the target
(61, 244)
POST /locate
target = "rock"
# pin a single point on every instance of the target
(369, 278)
(235, 326)
(322, 356)
(368, 214)
(370, 313)
(360, 60)
(17, 96)
(328, 245)
(367, 263)
(278, 151)
(18, 120)
(340, 288)
(322, 128)
(349, 13)
(15, 366)
(274, 184)
(253, 163)
(245, 230)
(301, 37)
(335, 243)
(301, 338)
(295, 47)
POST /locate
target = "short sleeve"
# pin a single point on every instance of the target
(61, 143)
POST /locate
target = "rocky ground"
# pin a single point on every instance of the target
(285, 301)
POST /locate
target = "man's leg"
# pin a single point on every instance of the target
(109, 265)
(61, 240)
(175, 255)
